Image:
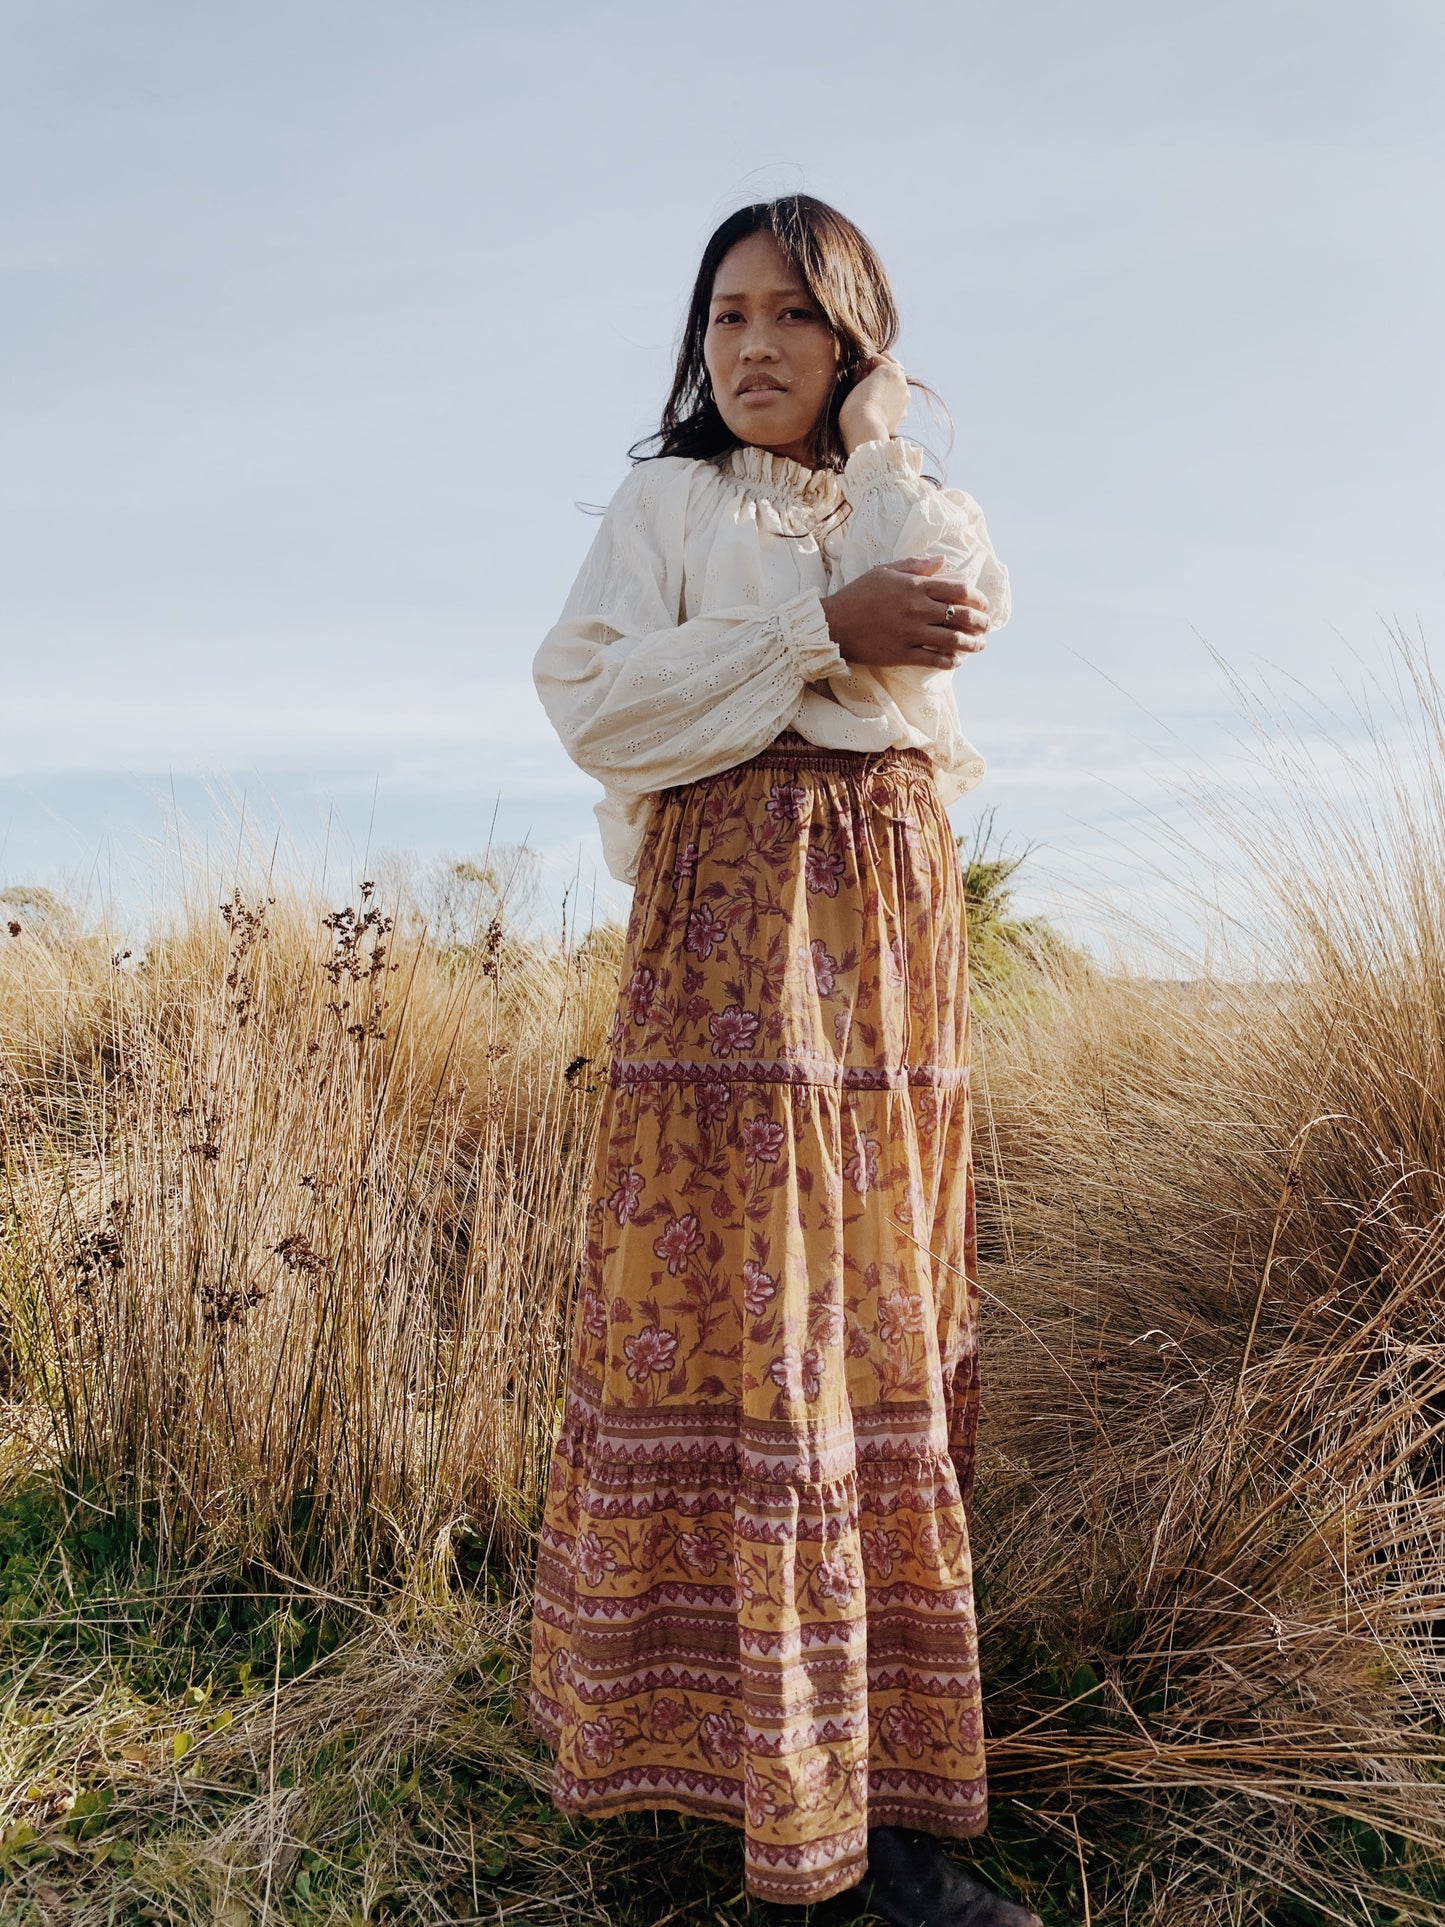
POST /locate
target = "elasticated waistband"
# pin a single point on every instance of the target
(793, 751)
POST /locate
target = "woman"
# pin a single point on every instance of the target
(754, 1588)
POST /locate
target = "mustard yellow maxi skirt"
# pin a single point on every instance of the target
(754, 1592)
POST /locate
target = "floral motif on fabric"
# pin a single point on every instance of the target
(754, 1588)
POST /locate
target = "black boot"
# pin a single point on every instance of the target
(912, 1882)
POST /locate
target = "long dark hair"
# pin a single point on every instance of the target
(842, 272)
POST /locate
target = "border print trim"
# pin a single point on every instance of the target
(630, 1073)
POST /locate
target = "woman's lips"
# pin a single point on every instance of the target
(761, 394)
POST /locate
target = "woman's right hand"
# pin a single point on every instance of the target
(893, 616)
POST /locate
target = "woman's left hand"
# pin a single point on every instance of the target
(875, 404)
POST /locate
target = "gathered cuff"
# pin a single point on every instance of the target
(806, 628)
(958, 768)
(881, 464)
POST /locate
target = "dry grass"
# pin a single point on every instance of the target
(290, 1223)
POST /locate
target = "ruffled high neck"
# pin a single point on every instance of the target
(782, 479)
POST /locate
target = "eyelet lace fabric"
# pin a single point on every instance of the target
(694, 632)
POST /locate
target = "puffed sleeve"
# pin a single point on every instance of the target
(895, 513)
(642, 699)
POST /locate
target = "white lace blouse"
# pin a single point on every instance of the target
(694, 632)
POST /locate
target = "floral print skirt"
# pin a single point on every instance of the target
(754, 1595)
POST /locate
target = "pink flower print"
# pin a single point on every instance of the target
(721, 1735)
(650, 1350)
(881, 1551)
(817, 1776)
(786, 1370)
(822, 869)
(732, 1029)
(759, 1796)
(785, 802)
(678, 1242)
(666, 1715)
(640, 986)
(759, 1288)
(821, 967)
(699, 1552)
(798, 1373)
(597, 1740)
(762, 1140)
(930, 1546)
(826, 1326)
(685, 862)
(624, 1199)
(621, 1312)
(861, 1170)
(908, 1726)
(970, 1729)
(705, 931)
(594, 1315)
(894, 960)
(696, 1007)
(900, 1313)
(842, 1019)
(833, 1581)
(713, 1102)
(594, 1559)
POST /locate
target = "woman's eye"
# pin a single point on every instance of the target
(724, 317)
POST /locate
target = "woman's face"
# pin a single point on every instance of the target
(770, 353)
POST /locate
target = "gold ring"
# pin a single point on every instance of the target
(949, 613)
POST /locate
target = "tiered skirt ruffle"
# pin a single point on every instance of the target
(754, 1594)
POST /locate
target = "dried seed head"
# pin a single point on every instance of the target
(296, 1254)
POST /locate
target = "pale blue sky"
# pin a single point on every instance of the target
(317, 319)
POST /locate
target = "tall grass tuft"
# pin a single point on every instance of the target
(1212, 1524)
(292, 1206)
